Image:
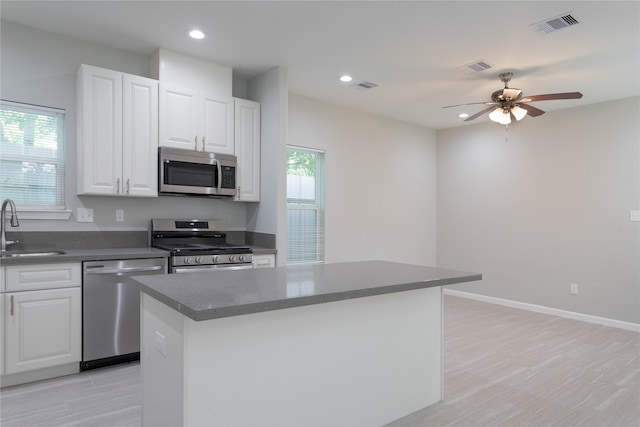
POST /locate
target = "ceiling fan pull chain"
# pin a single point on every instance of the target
(506, 133)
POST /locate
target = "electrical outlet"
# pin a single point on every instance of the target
(634, 215)
(161, 344)
(85, 215)
(119, 215)
(574, 289)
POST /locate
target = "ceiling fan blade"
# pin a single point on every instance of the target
(478, 114)
(471, 103)
(531, 110)
(552, 96)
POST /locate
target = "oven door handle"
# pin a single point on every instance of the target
(211, 268)
(101, 270)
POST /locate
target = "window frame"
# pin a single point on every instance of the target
(58, 210)
(317, 204)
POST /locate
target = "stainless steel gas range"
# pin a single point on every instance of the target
(198, 245)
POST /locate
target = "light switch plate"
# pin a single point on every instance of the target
(634, 215)
(85, 215)
(119, 215)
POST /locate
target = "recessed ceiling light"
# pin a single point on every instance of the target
(346, 78)
(195, 34)
(463, 115)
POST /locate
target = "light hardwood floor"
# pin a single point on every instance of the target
(503, 367)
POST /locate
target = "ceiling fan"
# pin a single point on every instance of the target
(509, 102)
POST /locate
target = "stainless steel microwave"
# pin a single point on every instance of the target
(199, 173)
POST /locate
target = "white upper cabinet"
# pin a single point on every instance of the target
(117, 133)
(140, 136)
(247, 149)
(178, 117)
(216, 124)
(196, 120)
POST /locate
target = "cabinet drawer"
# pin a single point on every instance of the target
(42, 276)
(264, 261)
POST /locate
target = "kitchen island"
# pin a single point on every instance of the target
(340, 344)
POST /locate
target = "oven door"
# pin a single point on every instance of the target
(179, 270)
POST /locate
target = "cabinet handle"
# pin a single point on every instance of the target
(203, 143)
(11, 305)
(117, 185)
(128, 185)
(195, 140)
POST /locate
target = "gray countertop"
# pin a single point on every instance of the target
(218, 294)
(79, 255)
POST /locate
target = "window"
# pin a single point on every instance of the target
(32, 156)
(305, 205)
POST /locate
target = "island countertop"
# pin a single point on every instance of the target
(218, 294)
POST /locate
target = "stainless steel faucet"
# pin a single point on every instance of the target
(14, 223)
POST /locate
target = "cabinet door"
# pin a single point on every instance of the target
(99, 131)
(247, 149)
(42, 329)
(216, 124)
(2, 333)
(140, 136)
(178, 112)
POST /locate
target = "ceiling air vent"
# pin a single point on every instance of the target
(364, 85)
(475, 67)
(556, 23)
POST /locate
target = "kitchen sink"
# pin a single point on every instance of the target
(25, 254)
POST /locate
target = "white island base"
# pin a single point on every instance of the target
(357, 362)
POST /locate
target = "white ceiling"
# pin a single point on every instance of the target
(411, 49)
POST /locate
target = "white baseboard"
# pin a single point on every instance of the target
(547, 310)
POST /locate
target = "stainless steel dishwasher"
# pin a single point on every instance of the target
(111, 310)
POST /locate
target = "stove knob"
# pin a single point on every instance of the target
(198, 260)
(215, 258)
(243, 258)
(232, 258)
(187, 260)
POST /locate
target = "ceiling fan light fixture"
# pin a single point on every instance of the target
(500, 116)
(518, 112)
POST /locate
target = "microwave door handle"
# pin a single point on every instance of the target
(219, 183)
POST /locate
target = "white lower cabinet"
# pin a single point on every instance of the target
(43, 329)
(41, 313)
(2, 335)
(264, 261)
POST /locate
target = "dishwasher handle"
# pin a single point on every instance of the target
(99, 269)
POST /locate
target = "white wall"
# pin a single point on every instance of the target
(269, 216)
(40, 68)
(548, 208)
(380, 182)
